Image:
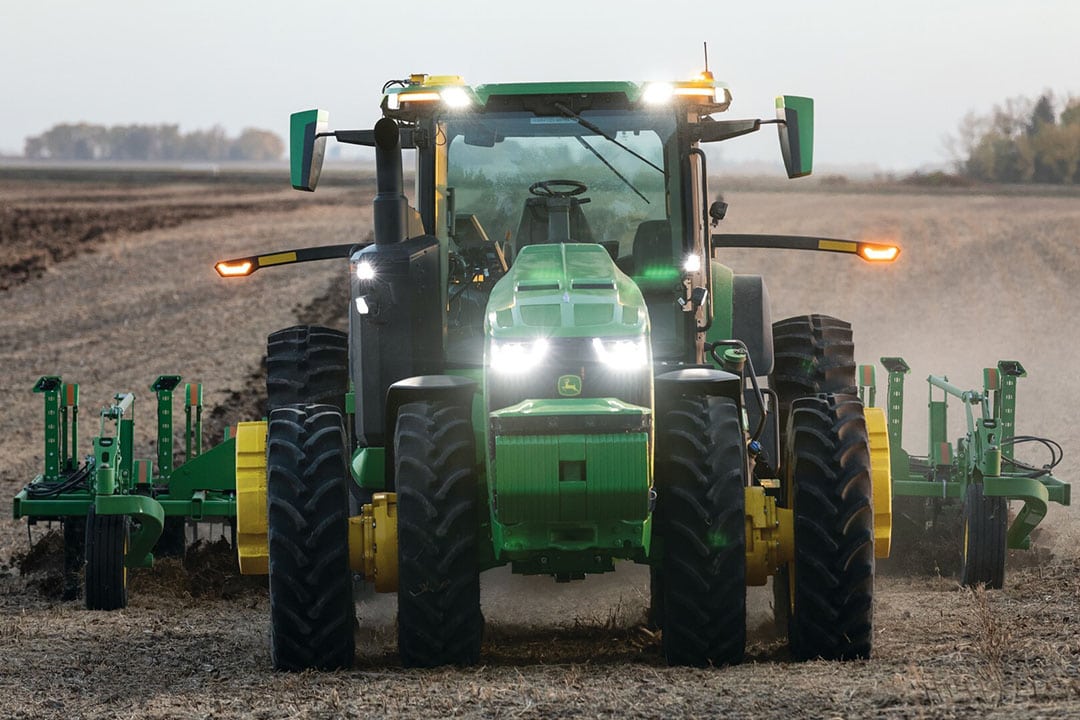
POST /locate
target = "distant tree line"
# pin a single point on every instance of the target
(84, 141)
(1022, 141)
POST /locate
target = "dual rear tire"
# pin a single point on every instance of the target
(823, 599)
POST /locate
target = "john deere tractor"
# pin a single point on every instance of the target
(548, 367)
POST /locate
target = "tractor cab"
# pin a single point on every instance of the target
(605, 163)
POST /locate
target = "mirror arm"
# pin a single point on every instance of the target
(367, 137)
(718, 130)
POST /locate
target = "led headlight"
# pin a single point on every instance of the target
(622, 354)
(365, 270)
(517, 357)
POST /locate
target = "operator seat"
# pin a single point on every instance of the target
(533, 228)
(652, 247)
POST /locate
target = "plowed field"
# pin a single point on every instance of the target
(109, 282)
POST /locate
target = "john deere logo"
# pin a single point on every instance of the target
(569, 385)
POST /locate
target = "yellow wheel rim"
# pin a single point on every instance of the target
(252, 543)
(881, 479)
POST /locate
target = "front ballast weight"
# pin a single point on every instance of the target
(975, 478)
(131, 507)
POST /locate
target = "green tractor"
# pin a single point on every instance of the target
(546, 368)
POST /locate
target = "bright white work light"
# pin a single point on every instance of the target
(621, 354)
(455, 97)
(365, 271)
(658, 93)
(517, 357)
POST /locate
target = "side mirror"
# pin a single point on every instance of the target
(306, 149)
(718, 211)
(796, 116)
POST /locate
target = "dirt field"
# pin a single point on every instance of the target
(110, 283)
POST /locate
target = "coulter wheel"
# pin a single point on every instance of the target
(311, 602)
(982, 558)
(106, 574)
(439, 617)
(830, 583)
(700, 514)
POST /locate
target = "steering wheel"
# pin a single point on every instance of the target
(546, 188)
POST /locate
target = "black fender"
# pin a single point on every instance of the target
(751, 320)
(450, 388)
(698, 381)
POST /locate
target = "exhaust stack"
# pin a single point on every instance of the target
(391, 205)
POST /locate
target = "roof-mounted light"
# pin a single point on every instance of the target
(419, 96)
(658, 93)
(450, 90)
(699, 90)
(455, 97)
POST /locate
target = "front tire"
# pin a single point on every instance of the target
(700, 514)
(982, 558)
(439, 617)
(311, 602)
(831, 579)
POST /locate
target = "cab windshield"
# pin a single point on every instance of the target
(615, 165)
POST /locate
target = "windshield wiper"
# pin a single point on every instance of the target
(590, 126)
(611, 167)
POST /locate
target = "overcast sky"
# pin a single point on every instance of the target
(891, 80)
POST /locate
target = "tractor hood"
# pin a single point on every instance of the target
(565, 290)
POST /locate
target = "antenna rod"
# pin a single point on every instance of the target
(706, 44)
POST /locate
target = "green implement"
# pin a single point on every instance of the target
(978, 475)
(151, 509)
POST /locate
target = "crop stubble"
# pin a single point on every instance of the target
(980, 279)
